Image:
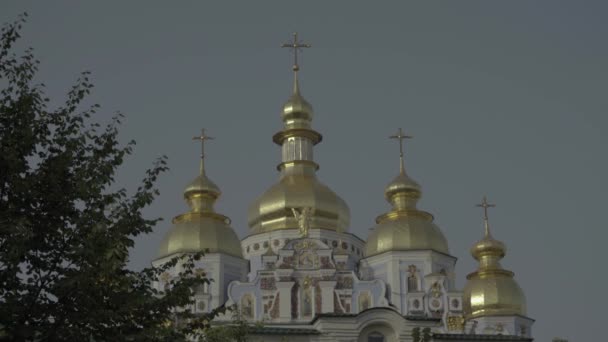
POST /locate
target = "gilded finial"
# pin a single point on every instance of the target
(485, 205)
(400, 136)
(203, 137)
(295, 46)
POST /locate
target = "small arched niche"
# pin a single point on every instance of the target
(377, 333)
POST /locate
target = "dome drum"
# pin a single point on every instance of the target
(200, 202)
(280, 137)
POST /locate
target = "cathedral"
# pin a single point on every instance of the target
(302, 275)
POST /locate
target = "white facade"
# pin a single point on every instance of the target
(305, 278)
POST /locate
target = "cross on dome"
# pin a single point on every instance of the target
(400, 136)
(485, 205)
(295, 46)
(203, 137)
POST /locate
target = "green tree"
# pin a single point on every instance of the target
(64, 233)
(236, 331)
(426, 334)
(416, 334)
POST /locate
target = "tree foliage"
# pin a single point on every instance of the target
(416, 334)
(64, 232)
(421, 335)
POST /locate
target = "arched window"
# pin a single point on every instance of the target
(412, 279)
(375, 337)
(306, 302)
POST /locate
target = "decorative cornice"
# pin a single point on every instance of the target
(282, 165)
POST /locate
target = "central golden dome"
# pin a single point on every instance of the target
(298, 186)
(272, 210)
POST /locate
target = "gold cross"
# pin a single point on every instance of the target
(296, 46)
(203, 137)
(485, 205)
(400, 136)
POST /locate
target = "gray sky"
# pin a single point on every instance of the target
(503, 98)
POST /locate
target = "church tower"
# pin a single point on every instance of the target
(302, 259)
(298, 197)
(493, 301)
(202, 229)
(298, 186)
(409, 252)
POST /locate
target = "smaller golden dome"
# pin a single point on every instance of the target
(491, 290)
(297, 109)
(404, 227)
(402, 184)
(194, 232)
(201, 229)
(492, 293)
(202, 184)
(488, 246)
(201, 193)
(405, 230)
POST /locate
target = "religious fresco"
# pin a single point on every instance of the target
(247, 308)
(307, 263)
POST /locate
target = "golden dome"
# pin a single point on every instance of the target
(402, 231)
(488, 246)
(492, 293)
(272, 210)
(297, 112)
(491, 290)
(402, 184)
(297, 107)
(298, 186)
(201, 228)
(201, 231)
(404, 227)
(202, 184)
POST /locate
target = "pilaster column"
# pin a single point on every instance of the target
(284, 288)
(327, 295)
